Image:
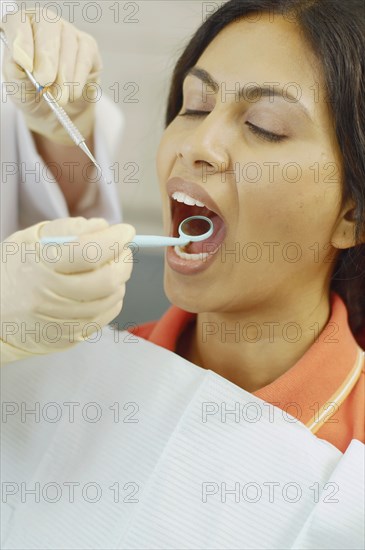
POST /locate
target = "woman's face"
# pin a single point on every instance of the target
(267, 162)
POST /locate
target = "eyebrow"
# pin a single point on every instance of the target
(251, 92)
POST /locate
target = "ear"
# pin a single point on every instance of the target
(344, 234)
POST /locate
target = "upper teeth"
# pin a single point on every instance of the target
(182, 197)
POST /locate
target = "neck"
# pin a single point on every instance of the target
(253, 348)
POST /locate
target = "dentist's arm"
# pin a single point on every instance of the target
(73, 189)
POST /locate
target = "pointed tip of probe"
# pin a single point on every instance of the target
(87, 152)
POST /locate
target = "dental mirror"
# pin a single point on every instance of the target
(194, 228)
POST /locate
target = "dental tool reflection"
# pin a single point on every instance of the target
(189, 231)
(62, 116)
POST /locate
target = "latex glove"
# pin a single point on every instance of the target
(44, 291)
(56, 53)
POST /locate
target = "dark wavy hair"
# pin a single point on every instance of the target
(335, 30)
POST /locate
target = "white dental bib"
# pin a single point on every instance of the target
(130, 446)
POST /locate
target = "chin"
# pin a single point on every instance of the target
(184, 297)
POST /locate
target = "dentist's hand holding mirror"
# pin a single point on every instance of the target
(54, 296)
(65, 279)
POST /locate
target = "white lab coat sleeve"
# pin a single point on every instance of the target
(30, 194)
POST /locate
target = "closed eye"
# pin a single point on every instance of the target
(264, 134)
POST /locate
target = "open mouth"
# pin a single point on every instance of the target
(183, 206)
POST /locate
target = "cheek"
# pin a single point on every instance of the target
(166, 155)
(280, 211)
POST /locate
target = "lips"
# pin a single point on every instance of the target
(196, 257)
(181, 211)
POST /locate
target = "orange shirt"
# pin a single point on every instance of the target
(324, 389)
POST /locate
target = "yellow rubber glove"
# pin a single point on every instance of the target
(51, 293)
(56, 53)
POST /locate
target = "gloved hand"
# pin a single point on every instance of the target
(49, 294)
(56, 53)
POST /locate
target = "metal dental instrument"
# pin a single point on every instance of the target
(189, 231)
(62, 116)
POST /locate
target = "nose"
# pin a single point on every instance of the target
(205, 147)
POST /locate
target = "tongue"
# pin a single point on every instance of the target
(212, 243)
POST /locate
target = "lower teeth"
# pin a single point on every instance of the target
(202, 256)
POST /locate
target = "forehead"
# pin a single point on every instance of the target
(264, 49)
